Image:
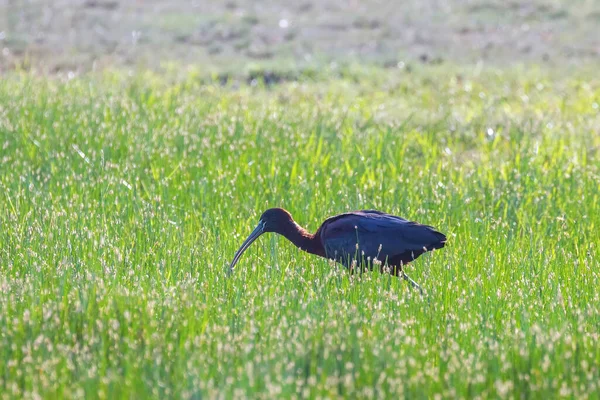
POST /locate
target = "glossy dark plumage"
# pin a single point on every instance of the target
(381, 236)
(369, 234)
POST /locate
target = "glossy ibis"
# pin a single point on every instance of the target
(355, 237)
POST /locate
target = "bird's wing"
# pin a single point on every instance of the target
(378, 235)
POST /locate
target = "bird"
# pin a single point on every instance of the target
(352, 238)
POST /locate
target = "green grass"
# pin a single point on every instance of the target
(122, 200)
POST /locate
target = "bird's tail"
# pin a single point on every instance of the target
(440, 241)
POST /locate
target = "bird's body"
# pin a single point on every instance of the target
(374, 236)
(359, 238)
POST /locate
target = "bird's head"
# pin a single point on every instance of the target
(271, 220)
(274, 218)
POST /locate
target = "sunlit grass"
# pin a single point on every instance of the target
(122, 200)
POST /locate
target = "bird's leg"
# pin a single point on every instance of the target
(398, 270)
(412, 283)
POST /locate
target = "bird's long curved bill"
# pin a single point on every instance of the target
(253, 236)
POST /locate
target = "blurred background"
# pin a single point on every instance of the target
(82, 35)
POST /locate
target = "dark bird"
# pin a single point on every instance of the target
(366, 237)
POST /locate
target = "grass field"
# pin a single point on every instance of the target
(122, 200)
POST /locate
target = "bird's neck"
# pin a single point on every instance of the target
(303, 239)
